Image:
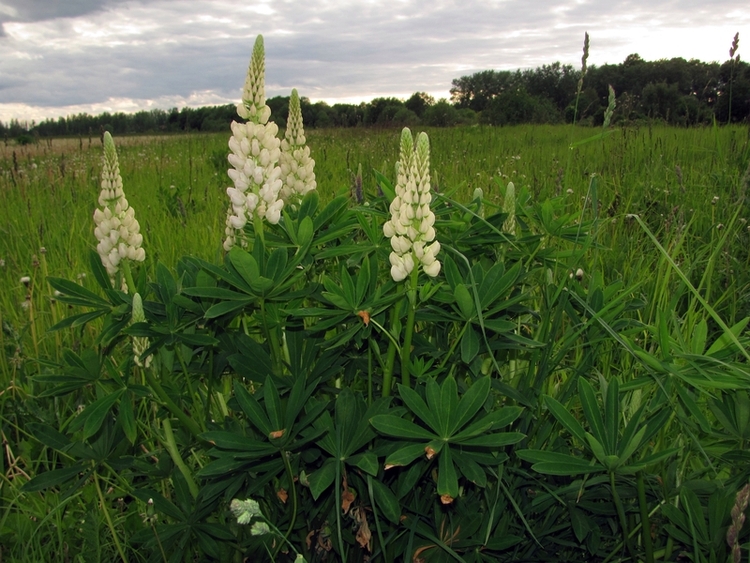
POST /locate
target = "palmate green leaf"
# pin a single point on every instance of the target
(628, 448)
(556, 463)
(49, 436)
(252, 409)
(366, 461)
(465, 302)
(276, 265)
(126, 418)
(226, 440)
(72, 291)
(415, 403)
(447, 485)
(53, 478)
(404, 455)
(215, 293)
(323, 478)
(93, 415)
(471, 470)
(642, 464)
(161, 504)
(612, 415)
(469, 405)
(78, 320)
(564, 417)
(591, 410)
(497, 440)
(597, 448)
(391, 425)
(272, 403)
(386, 501)
(497, 419)
(245, 265)
(469, 345)
(225, 307)
(448, 405)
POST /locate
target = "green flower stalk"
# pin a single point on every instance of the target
(509, 207)
(254, 157)
(297, 168)
(117, 229)
(140, 343)
(411, 227)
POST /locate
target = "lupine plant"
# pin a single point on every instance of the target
(246, 410)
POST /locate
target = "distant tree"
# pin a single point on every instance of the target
(441, 114)
(419, 102)
(477, 90)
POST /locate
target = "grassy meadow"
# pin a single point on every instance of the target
(177, 184)
(663, 208)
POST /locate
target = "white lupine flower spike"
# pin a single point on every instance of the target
(297, 168)
(254, 157)
(117, 229)
(411, 227)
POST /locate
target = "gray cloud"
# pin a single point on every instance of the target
(60, 54)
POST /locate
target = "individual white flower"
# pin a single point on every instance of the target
(140, 343)
(297, 168)
(411, 225)
(117, 229)
(254, 157)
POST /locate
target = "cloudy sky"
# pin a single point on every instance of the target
(60, 57)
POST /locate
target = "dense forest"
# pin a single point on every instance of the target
(674, 91)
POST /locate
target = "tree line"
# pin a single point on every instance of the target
(675, 91)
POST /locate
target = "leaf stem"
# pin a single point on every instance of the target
(409, 332)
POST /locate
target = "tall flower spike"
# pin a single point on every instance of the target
(254, 157)
(411, 227)
(116, 229)
(297, 168)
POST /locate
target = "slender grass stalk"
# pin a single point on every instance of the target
(109, 519)
(174, 453)
(293, 519)
(621, 514)
(648, 546)
(189, 423)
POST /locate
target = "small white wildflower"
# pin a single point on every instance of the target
(2, 263)
(715, 200)
(25, 280)
(569, 191)
(411, 227)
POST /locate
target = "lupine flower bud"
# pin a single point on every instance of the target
(297, 168)
(509, 207)
(254, 157)
(411, 225)
(140, 343)
(117, 229)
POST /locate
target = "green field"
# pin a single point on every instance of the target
(655, 219)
